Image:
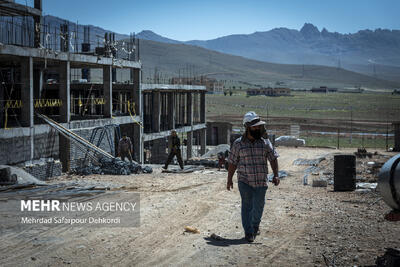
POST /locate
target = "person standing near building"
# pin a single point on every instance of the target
(248, 156)
(125, 148)
(175, 150)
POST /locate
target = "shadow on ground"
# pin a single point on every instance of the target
(225, 242)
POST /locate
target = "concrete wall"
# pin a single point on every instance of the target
(15, 143)
(15, 150)
(18, 149)
(218, 133)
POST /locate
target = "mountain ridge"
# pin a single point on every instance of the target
(171, 57)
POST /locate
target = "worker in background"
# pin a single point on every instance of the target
(248, 156)
(175, 150)
(125, 148)
(221, 160)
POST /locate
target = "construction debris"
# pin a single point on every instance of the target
(113, 166)
(22, 176)
(187, 169)
(289, 141)
(203, 162)
(370, 186)
(214, 152)
(191, 229)
(309, 162)
(44, 168)
(60, 190)
(319, 183)
(362, 153)
(6, 178)
(282, 174)
(391, 258)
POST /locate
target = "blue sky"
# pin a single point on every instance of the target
(207, 19)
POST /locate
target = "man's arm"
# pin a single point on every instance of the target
(130, 146)
(275, 169)
(231, 172)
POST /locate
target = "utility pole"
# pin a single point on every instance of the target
(387, 130)
(351, 124)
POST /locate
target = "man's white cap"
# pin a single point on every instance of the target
(252, 119)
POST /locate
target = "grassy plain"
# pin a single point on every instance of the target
(349, 113)
(364, 106)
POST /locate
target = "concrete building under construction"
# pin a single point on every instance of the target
(60, 72)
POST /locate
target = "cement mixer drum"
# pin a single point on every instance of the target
(389, 182)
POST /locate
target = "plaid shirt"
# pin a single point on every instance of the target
(250, 159)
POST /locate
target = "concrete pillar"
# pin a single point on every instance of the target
(38, 21)
(138, 129)
(158, 154)
(182, 109)
(202, 107)
(27, 92)
(65, 91)
(107, 90)
(202, 141)
(171, 110)
(156, 111)
(37, 83)
(114, 75)
(136, 94)
(38, 4)
(2, 108)
(65, 113)
(27, 111)
(189, 145)
(189, 111)
(138, 143)
(64, 148)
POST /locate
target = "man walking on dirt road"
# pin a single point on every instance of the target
(175, 150)
(248, 156)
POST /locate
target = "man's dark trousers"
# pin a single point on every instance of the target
(253, 201)
(177, 153)
(128, 155)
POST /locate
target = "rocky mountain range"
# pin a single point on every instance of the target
(375, 53)
(372, 52)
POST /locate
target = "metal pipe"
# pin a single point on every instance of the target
(389, 182)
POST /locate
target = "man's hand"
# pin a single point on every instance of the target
(229, 185)
(276, 181)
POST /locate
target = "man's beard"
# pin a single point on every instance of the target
(256, 134)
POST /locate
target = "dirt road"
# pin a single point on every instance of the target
(300, 224)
